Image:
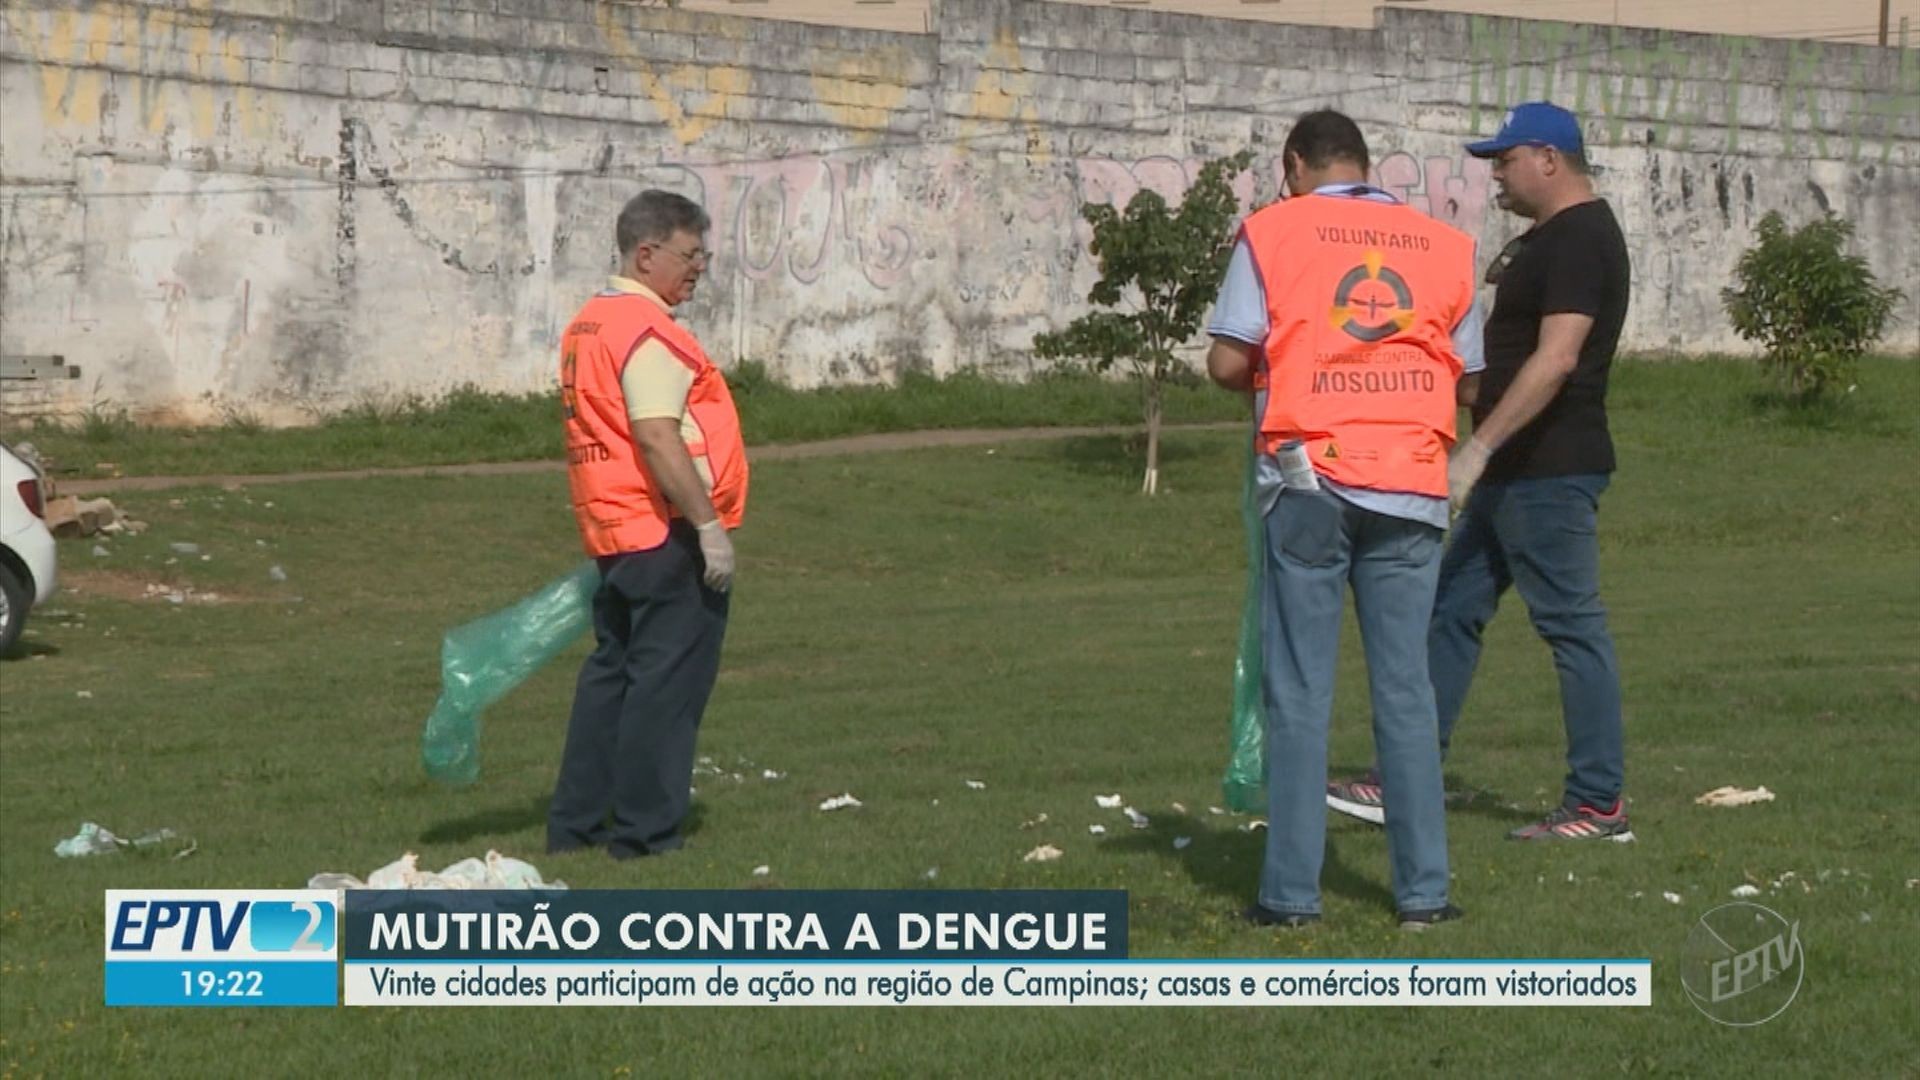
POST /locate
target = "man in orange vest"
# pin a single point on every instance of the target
(658, 475)
(1341, 311)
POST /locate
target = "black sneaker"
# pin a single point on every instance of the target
(1580, 823)
(1290, 920)
(1420, 920)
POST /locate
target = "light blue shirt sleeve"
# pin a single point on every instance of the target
(1469, 340)
(1240, 311)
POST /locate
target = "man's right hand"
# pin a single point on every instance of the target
(1463, 471)
(716, 549)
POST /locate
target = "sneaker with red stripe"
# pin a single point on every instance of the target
(1363, 798)
(1581, 822)
(1360, 798)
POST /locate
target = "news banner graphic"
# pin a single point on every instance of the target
(222, 947)
(779, 948)
(800, 948)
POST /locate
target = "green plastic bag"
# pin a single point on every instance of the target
(482, 661)
(1247, 766)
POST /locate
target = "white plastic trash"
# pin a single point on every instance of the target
(495, 871)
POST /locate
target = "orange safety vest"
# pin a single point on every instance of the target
(1362, 299)
(615, 499)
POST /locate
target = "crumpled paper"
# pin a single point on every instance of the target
(1733, 796)
(496, 871)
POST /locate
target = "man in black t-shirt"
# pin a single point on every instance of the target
(1527, 484)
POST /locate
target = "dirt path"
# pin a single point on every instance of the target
(857, 444)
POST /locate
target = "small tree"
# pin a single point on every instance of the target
(1809, 304)
(1163, 267)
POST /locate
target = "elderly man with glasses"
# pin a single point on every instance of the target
(658, 475)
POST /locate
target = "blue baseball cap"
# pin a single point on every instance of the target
(1537, 123)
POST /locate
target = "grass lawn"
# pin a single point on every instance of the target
(471, 426)
(1019, 616)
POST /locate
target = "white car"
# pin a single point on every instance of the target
(26, 547)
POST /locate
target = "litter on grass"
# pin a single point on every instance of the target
(94, 839)
(1733, 796)
(495, 871)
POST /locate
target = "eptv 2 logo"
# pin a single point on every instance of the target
(241, 947)
(223, 923)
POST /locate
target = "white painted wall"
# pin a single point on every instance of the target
(288, 206)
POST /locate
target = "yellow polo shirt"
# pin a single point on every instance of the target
(655, 383)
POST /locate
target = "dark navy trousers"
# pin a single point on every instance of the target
(626, 776)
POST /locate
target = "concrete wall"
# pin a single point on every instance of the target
(285, 206)
(1849, 20)
(1857, 21)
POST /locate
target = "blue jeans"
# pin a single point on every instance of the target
(1318, 544)
(1539, 536)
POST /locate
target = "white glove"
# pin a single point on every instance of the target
(716, 550)
(1469, 461)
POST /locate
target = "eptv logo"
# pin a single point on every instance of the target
(233, 947)
(224, 924)
(1743, 964)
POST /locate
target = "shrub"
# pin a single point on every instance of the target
(1812, 307)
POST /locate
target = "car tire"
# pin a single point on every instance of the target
(14, 600)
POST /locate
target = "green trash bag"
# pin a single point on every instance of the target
(1247, 766)
(482, 661)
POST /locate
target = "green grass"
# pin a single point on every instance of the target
(471, 426)
(907, 622)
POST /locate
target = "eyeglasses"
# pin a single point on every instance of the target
(697, 257)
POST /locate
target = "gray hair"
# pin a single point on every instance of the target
(653, 216)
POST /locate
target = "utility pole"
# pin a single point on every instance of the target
(1886, 8)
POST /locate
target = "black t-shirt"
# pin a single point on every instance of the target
(1575, 262)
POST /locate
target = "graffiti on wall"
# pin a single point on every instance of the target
(78, 91)
(183, 67)
(793, 216)
(449, 184)
(1706, 97)
(1451, 187)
